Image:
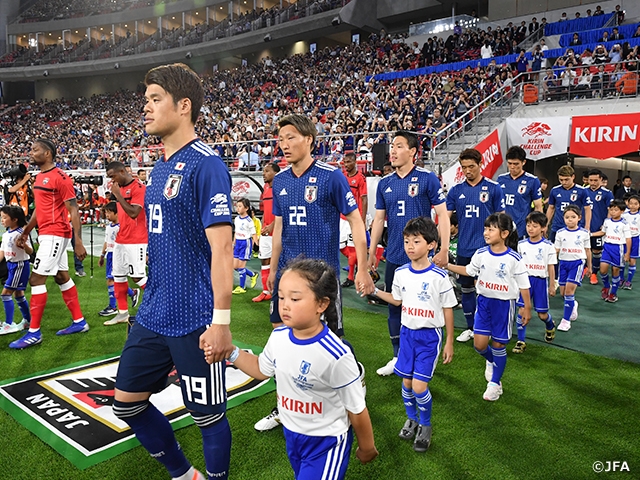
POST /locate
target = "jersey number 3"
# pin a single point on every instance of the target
(155, 218)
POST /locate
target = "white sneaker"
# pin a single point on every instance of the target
(465, 336)
(488, 371)
(574, 312)
(564, 326)
(119, 318)
(493, 392)
(6, 328)
(269, 422)
(388, 368)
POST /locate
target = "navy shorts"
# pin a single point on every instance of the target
(570, 271)
(464, 280)
(317, 458)
(18, 278)
(242, 249)
(539, 292)
(613, 254)
(274, 313)
(419, 352)
(109, 265)
(494, 318)
(148, 357)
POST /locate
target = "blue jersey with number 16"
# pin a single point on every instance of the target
(519, 194)
(310, 206)
(473, 204)
(185, 194)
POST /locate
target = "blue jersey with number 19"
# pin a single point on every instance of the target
(310, 206)
(600, 200)
(473, 204)
(185, 195)
(404, 198)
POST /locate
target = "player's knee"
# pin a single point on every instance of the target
(209, 420)
(544, 316)
(597, 254)
(127, 410)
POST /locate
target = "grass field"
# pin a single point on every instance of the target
(561, 410)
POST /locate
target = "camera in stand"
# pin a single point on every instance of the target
(89, 180)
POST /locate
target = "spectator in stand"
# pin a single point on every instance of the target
(615, 35)
(486, 51)
(588, 12)
(636, 34)
(628, 84)
(584, 82)
(598, 11)
(586, 58)
(604, 38)
(563, 17)
(619, 14)
(615, 54)
(577, 15)
(600, 55)
(575, 40)
(534, 26)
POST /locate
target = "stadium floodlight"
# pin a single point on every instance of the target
(267, 37)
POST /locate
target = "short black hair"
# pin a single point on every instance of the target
(619, 203)
(111, 207)
(15, 212)
(49, 145)
(422, 226)
(412, 139)
(115, 166)
(537, 217)
(594, 171)
(516, 153)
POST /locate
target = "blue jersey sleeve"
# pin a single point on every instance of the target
(340, 192)
(451, 200)
(536, 189)
(275, 206)
(498, 199)
(436, 195)
(586, 199)
(552, 197)
(380, 203)
(213, 191)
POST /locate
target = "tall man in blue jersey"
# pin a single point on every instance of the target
(407, 193)
(600, 199)
(567, 193)
(520, 188)
(473, 201)
(189, 215)
(308, 198)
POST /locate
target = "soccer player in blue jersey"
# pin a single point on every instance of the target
(520, 188)
(188, 201)
(308, 198)
(407, 193)
(600, 200)
(473, 201)
(567, 193)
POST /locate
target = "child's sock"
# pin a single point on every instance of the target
(595, 262)
(615, 283)
(622, 272)
(424, 405)
(548, 323)
(23, 305)
(569, 302)
(486, 353)
(7, 301)
(264, 273)
(499, 363)
(522, 329)
(409, 400)
(469, 305)
(243, 276)
(112, 296)
(632, 272)
(38, 302)
(605, 280)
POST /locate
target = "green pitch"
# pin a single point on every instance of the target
(561, 410)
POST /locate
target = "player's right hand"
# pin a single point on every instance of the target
(101, 261)
(366, 456)
(371, 262)
(21, 241)
(271, 281)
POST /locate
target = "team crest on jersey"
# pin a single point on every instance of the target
(172, 187)
(598, 197)
(413, 189)
(45, 181)
(539, 255)
(522, 189)
(305, 367)
(180, 166)
(310, 193)
(501, 272)
(484, 197)
(578, 241)
(423, 295)
(574, 197)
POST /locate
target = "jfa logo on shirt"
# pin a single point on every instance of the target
(424, 296)
(310, 193)
(413, 189)
(522, 189)
(484, 197)
(172, 187)
(501, 273)
(305, 367)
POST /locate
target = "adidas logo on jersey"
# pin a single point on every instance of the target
(388, 190)
(283, 191)
(461, 196)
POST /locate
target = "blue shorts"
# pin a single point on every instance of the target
(539, 292)
(494, 318)
(570, 271)
(635, 248)
(613, 255)
(148, 357)
(242, 249)
(316, 458)
(464, 280)
(109, 265)
(18, 278)
(419, 352)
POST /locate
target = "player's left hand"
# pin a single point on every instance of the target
(80, 251)
(441, 259)
(447, 353)
(364, 283)
(526, 316)
(366, 456)
(216, 343)
(552, 290)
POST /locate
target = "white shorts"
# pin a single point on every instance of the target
(52, 255)
(346, 238)
(130, 260)
(266, 243)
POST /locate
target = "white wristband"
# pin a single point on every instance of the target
(375, 291)
(221, 317)
(234, 355)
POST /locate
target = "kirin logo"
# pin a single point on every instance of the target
(537, 129)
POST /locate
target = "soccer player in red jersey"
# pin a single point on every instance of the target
(130, 249)
(358, 185)
(266, 205)
(55, 201)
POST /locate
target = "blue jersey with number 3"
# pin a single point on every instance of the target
(473, 204)
(404, 198)
(185, 195)
(310, 206)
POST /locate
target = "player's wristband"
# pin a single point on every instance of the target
(221, 317)
(234, 355)
(375, 291)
